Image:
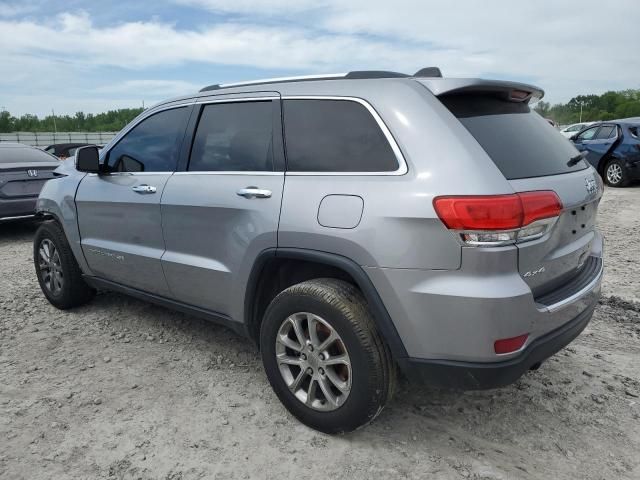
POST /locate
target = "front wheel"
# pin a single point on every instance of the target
(615, 174)
(58, 273)
(324, 357)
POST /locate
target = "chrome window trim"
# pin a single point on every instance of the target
(402, 163)
(121, 174)
(226, 99)
(230, 172)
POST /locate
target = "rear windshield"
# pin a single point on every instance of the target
(24, 155)
(519, 141)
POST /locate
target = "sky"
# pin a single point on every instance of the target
(92, 56)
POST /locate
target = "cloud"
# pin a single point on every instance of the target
(139, 45)
(16, 9)
(568, 47)
(160, 88)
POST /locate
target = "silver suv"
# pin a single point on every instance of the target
(351, 225)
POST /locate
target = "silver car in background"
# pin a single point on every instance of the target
(23, 172)
(350, 225)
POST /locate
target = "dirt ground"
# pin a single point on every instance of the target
(123, 389)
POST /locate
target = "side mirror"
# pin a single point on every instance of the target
(87, 159)
(574, 137)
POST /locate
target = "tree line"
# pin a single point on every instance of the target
(608, 106)
(111, 121)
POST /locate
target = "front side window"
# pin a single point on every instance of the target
(334, 136)
(588, 134)
(234, 137)
(152, 145)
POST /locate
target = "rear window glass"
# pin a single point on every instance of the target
(519, 141)
(24, 155)
(334, 136)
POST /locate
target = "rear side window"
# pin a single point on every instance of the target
(234, 137)
(334, 136)
(607, 131)
(519, 141)
(152, 145)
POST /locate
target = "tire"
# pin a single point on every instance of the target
(615, 174)
(327, 306)
(65, 288)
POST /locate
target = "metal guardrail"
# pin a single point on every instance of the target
(44, 139)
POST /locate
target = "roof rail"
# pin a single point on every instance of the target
(355, 75)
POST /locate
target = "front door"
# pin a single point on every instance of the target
(119, 211)
(223, 209)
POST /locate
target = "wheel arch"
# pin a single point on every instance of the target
(277, 269)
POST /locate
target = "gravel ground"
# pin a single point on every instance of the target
(123, 389)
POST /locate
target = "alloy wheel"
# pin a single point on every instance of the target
(313, 361)
(50, 267)
(614, 173)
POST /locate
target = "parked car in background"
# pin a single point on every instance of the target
(23, 172)
(552, 122)
(613, 148)
(571, 130)
(64, 150)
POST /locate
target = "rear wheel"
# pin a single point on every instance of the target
(324, 357)
(615, 174)
(58, 273)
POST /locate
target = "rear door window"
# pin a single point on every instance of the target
(606, 131)
(234, 137)
(323, 135)
(519, 141)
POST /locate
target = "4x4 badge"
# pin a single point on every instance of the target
(591, 185)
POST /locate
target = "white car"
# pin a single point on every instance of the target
(571, 130)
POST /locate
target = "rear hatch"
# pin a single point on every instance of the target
(534, 156)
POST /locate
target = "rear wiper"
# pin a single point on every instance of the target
(573, 160)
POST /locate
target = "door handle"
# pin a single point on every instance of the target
(144, 189)
(254, 192)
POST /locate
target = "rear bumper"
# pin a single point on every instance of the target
(18, 207)
(480, 376)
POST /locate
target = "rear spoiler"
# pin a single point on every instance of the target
(513, 91)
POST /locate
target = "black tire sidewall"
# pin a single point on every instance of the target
(357, 409)
(70, 295)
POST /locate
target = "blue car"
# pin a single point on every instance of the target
(613, 148)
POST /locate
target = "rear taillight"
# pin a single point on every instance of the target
(489, 220)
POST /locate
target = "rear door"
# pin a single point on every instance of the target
(119, 212)
(602, 143)
(223, 209)
(533, 156)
